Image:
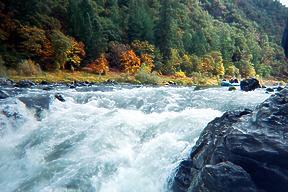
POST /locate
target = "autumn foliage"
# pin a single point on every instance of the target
(130, 63)
(75, 52)
(99, 66)
(35, 41)
(147, 61)
(7, 26)
(68, 52)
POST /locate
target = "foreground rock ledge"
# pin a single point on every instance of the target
(240, 151)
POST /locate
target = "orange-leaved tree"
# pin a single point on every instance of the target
(100, 65)
(7, 26)
(35, 42)
(130, 63)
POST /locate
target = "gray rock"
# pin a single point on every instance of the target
(37, 102)
(6, 82)
(240, 151)
(3, 95)
(24, 84)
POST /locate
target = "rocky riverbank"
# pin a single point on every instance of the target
(240, 151)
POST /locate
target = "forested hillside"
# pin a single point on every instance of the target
(182, 37)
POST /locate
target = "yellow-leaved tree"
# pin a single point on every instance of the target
(75, 52)
(130, 63)
(206, 65)
(232, 71)
(246, 67)
(147, 62)
(67, 51)
(219, 69)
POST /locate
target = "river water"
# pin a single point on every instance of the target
(105, 138)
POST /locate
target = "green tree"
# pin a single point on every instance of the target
(140, 22)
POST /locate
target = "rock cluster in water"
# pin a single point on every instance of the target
(239, 152)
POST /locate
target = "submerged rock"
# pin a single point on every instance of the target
(6, 82)
(3, 95)
(24, 84)
(44, 83)
(249, 84)
(232, 88)
(270, 90)
(37, 102)
(240, 151)
(279, 88)
(59, 97)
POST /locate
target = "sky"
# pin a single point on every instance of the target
(284, 2)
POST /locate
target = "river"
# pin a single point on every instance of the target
(105, 138)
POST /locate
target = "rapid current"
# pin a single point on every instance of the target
(104, 138)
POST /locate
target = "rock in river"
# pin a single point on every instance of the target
(249, 84)
(37, 102)
(59, 97)
(24, 84)
(3, 95)
(240, 151)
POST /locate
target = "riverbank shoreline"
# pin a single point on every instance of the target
(114, 77)
(117, 77)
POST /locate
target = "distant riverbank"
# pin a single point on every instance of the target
(117, 77)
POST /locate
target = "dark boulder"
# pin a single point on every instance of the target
(270, 90)
(24, 84)
(279, 88)
(171, 83)
(240, 151)
(232, 88)
(48, 88)
(111, 81)
(59, 97)
(44, 83)
(3, 95)
(72, 86)
(249, 84)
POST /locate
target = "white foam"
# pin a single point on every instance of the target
(126, 140)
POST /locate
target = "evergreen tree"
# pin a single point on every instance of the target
(165, 29)
(140, 22)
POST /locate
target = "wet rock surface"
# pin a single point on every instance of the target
(24, 84)
(37, 102)
(5, 82)
(59, 97)
(3, 95)
(240, 151)
(249, 84)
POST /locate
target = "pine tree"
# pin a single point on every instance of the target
(165, 29)
(140, 22)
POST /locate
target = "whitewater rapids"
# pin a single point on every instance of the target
(106, 138)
